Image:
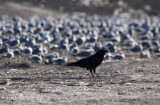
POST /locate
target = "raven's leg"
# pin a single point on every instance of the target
(94, 70)
(91, 72)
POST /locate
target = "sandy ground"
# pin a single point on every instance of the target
(133, 81)
(25, 10)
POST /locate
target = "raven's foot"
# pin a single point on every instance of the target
(92, 75)
(96, 75)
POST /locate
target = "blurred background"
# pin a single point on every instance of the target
(59, 7)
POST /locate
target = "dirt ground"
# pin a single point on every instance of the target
(133, 81)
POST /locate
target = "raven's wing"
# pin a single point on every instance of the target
(90, 62)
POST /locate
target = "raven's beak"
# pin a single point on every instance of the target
(107, 51)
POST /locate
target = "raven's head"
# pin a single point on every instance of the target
(103, 51)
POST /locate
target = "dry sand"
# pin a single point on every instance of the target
(133, 81)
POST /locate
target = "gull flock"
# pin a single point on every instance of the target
(52, 40)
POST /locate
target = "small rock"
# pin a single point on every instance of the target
(90, 84)
(3, 82)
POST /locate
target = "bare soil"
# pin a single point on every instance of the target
(132, 81)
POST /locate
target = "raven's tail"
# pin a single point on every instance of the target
(71, 64)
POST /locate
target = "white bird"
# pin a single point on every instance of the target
(119, 56)
(61, 60)
(36, 58)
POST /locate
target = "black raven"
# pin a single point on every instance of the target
(91, 62)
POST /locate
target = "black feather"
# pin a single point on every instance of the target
(71, 64)
(90, 62)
